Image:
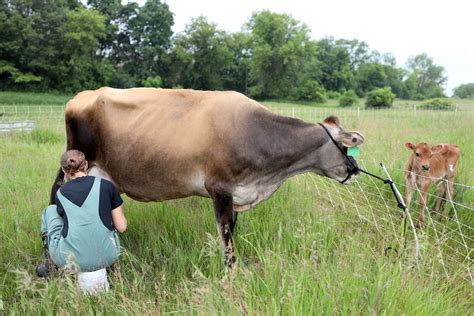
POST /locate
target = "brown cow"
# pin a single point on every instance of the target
(158, 144)
(430, 165)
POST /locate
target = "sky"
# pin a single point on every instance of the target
(442, 29)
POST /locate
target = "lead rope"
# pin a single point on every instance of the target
(396, 194)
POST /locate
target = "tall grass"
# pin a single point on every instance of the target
(298, 254)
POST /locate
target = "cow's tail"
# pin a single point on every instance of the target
(58, 182)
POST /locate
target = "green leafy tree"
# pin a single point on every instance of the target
(464, 91)
(109, 9)
(142, 41)
(15, 32)
(335, 66)
(369, 76)
(203, 56)
(236, 74)
(426, 79)
(359, 52)
(82, 32)
(282, 55)
(395, 76)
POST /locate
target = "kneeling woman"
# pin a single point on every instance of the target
(81, 229)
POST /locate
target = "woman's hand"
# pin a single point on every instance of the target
(118, 217)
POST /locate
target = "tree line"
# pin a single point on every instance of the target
(66, 46)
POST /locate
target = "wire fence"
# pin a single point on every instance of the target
(313, 114)
(43, 116)
(445, 245)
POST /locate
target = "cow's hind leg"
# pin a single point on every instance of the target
(226, 219)
(58, 182)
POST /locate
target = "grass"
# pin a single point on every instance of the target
(303, 251)
(32, 98)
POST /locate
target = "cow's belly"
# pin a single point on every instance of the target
(248, 195)
(245, 195)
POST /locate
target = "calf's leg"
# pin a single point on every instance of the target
(442, 187)
(408, 194)
(422, 203)
(450, 191)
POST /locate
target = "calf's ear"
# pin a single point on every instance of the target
(438, 149)
(351, 139)
(410, 146)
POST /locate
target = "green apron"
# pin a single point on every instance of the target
(89, 245)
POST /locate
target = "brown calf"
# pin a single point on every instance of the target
(430, 165)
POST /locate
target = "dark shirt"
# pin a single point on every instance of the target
(77, 191)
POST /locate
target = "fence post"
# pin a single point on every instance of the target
(414, 109)
(358, 112)
(293, 112)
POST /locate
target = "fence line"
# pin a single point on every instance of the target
(446, 243)
(43, 113)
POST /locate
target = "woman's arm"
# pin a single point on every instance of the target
(118, 217)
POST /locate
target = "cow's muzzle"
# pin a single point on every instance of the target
(352, 168)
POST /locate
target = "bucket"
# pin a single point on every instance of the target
(93, 282)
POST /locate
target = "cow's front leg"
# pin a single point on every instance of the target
(226, 219)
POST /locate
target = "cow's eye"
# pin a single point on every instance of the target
(417, 154)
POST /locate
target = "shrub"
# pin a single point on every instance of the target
(348, 98)
(310, 90)
(437, 104)
(333, 95)
(153, 82)
(380, 98)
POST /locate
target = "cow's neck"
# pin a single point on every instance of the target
(293, 147)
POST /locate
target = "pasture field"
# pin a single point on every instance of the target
(315, 247)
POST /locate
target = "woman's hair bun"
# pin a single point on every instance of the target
(73, 161)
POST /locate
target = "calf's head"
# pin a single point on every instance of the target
(334, 162)
(422, 154)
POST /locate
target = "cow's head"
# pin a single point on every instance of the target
(422, 153)
(335, 163)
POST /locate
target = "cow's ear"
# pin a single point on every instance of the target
(438, 149)
(331, 120)
(350, 139)
(410, 146)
